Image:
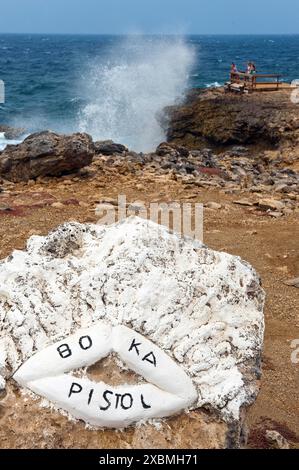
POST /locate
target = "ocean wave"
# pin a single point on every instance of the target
(213, 85)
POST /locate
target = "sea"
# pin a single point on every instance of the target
(116, 87)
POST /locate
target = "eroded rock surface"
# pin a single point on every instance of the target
(108, 147)
(213, 117)
(204, 308)
(46, 154)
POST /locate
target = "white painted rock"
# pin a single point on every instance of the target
(199, 312)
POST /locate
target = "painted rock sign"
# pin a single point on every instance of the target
(168, 391)
(204, 308)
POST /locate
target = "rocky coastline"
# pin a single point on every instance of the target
(236, 144)
(239, 156)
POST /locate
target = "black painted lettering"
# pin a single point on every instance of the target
(85, 342)
(64, 351)
(126, 397)
(104, 408)
(151, 358)
(90, 396)
(145, 406)
(118, 395)
(135, 345)
(75, 388)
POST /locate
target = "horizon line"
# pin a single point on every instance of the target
(145, 34)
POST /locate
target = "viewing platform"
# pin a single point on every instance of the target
(243, 82)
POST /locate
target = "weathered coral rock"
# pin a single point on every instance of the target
(203, 308)
(276, 440)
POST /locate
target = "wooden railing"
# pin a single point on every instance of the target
(256, 81)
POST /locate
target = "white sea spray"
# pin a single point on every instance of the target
(127, 91)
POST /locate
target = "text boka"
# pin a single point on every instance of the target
(167, 391)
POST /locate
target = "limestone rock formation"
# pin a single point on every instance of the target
(46, 154)
(203, 308)
(108, 147)
(212, 117)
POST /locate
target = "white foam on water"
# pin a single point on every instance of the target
(126, 93)
(213, 85)
(4, 142)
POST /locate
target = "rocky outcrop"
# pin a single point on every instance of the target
(11, 133)
(108, 147)
(219, 119)
(46, 154)
(203, 308)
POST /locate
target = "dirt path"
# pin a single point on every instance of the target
(270, 245)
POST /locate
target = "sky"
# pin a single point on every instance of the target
(150, 16)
